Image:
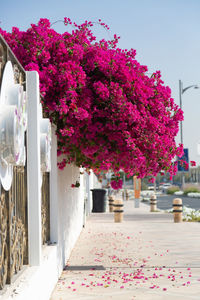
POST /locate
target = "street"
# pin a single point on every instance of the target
(165, 201)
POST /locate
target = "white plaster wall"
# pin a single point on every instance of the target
(90, 187)
(88, 194)
(66, 206)
(70, 209)
(67, 222)
(38, 282)
(96, 183)
(66, 218)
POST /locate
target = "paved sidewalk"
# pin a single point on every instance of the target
(146, 257)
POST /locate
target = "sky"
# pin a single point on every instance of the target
(165, 34)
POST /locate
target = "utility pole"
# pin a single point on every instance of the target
(181, 91)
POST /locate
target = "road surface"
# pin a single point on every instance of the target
(165, 201)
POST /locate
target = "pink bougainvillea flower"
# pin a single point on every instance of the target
(193, 163)
(109, 113)
(152, 180)
(116, 184)
(76, 185)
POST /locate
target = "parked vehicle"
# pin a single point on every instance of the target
(151, 187)
(165, 186)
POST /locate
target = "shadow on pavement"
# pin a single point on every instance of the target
(84, 268)
(148, 217)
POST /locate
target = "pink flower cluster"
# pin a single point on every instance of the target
(193, 163)
(184, 164)
(76, 185)
(152, 180)
(116, 184)
(109, 113)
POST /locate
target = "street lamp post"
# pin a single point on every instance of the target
(181, 91)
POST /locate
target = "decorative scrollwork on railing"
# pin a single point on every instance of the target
(2, 58)
(3, 244)
(12, 240)
(18, 75)
(13, 198)
(18, 243)
(45, 209)
(44, 228)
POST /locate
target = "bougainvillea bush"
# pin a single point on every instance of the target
(110, 114)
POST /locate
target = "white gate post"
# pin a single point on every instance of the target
(88, 208)
(33, 169)
(90, 185)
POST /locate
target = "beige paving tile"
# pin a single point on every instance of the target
(145, 257)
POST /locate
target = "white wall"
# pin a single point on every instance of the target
(70, 208)
(66, 224)
(35, 283)
(66, 206)
(66, 212)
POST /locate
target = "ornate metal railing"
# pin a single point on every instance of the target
(3, 240)
(13, 203)
(7, 54)
(17, 223)
(45, 209)
(13, 227)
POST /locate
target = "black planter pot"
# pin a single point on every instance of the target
(99, 200)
